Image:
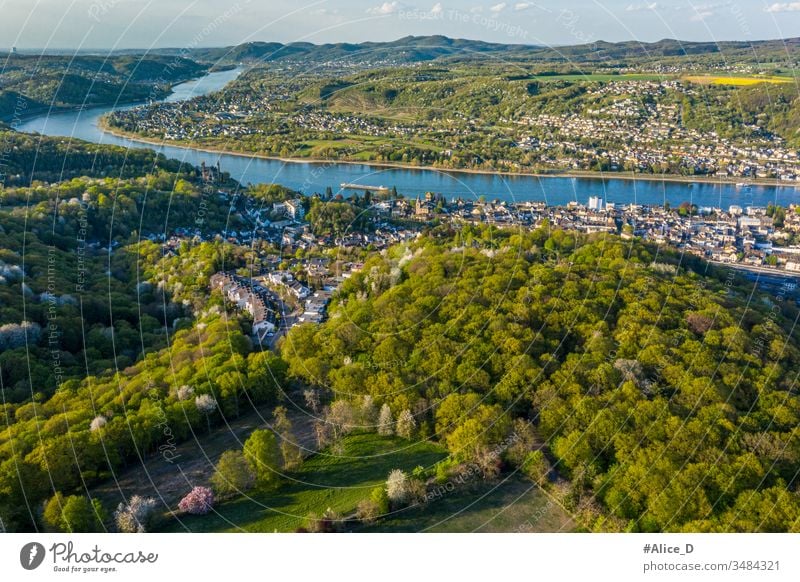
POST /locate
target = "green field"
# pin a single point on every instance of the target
(325, 481)
(601, 77)
(514, 504)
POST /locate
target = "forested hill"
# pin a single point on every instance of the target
(31, 83)
(667, 400)
(90, 313)
(55, 159)
(412, 49)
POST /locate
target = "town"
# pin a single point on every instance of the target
(638, 126)
(296, 271)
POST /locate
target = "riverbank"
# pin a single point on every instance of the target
(16, 118)
(577, 174)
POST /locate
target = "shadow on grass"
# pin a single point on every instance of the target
(326, 480)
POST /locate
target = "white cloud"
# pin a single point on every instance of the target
(437, 9)
(522, 6)
(784, 7)
(700, 15)
(385, 8)
(642, 7)
(325, 12)
(498, 7)
(703, 11)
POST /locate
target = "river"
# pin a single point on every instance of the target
(309, 177)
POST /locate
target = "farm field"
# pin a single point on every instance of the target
(604, 78)
(737, 81)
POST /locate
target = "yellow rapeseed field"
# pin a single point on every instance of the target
(739, 81)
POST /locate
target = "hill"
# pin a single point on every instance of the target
(415, 49)
(34, 83)
(665, 398)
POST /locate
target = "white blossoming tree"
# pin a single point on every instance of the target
(97, 423)
(397, 487)
(136, 515)
(406, 425)
(206, 404)
(385, 421)
(369, 412)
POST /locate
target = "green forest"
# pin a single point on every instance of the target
(667, 398)
(642, 391)
(38, 83)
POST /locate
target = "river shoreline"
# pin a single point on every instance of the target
(586, 174)
(56, 109)
(124, 103)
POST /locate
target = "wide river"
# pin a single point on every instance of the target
(311, 177)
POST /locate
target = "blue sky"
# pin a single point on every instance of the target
(189, 23)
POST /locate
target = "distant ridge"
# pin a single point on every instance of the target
(414, 49)
(411, 49)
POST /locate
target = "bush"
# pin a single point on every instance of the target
(136, 516)
(536, 467)
(445, 469)
(325, 524)
(416, 491)
(367, 511)
(381, 500)
(233, 474)
(198, 501)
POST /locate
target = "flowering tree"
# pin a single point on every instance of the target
(184, 392)
(369, 412)
(341, 418)
(385, 421)
(198, 501)
(97, 423)
(406, 425)
(136, 515)
(206, 404)
(397, 486)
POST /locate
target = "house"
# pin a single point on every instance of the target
(249, 297)
(295, 209)
(299, 290)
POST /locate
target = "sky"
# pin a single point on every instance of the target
(105, 24)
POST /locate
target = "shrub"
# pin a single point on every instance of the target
(536, 467)
(381, 500)
(198, 501)
(135, 516)
(367, 511)
(232, 474)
